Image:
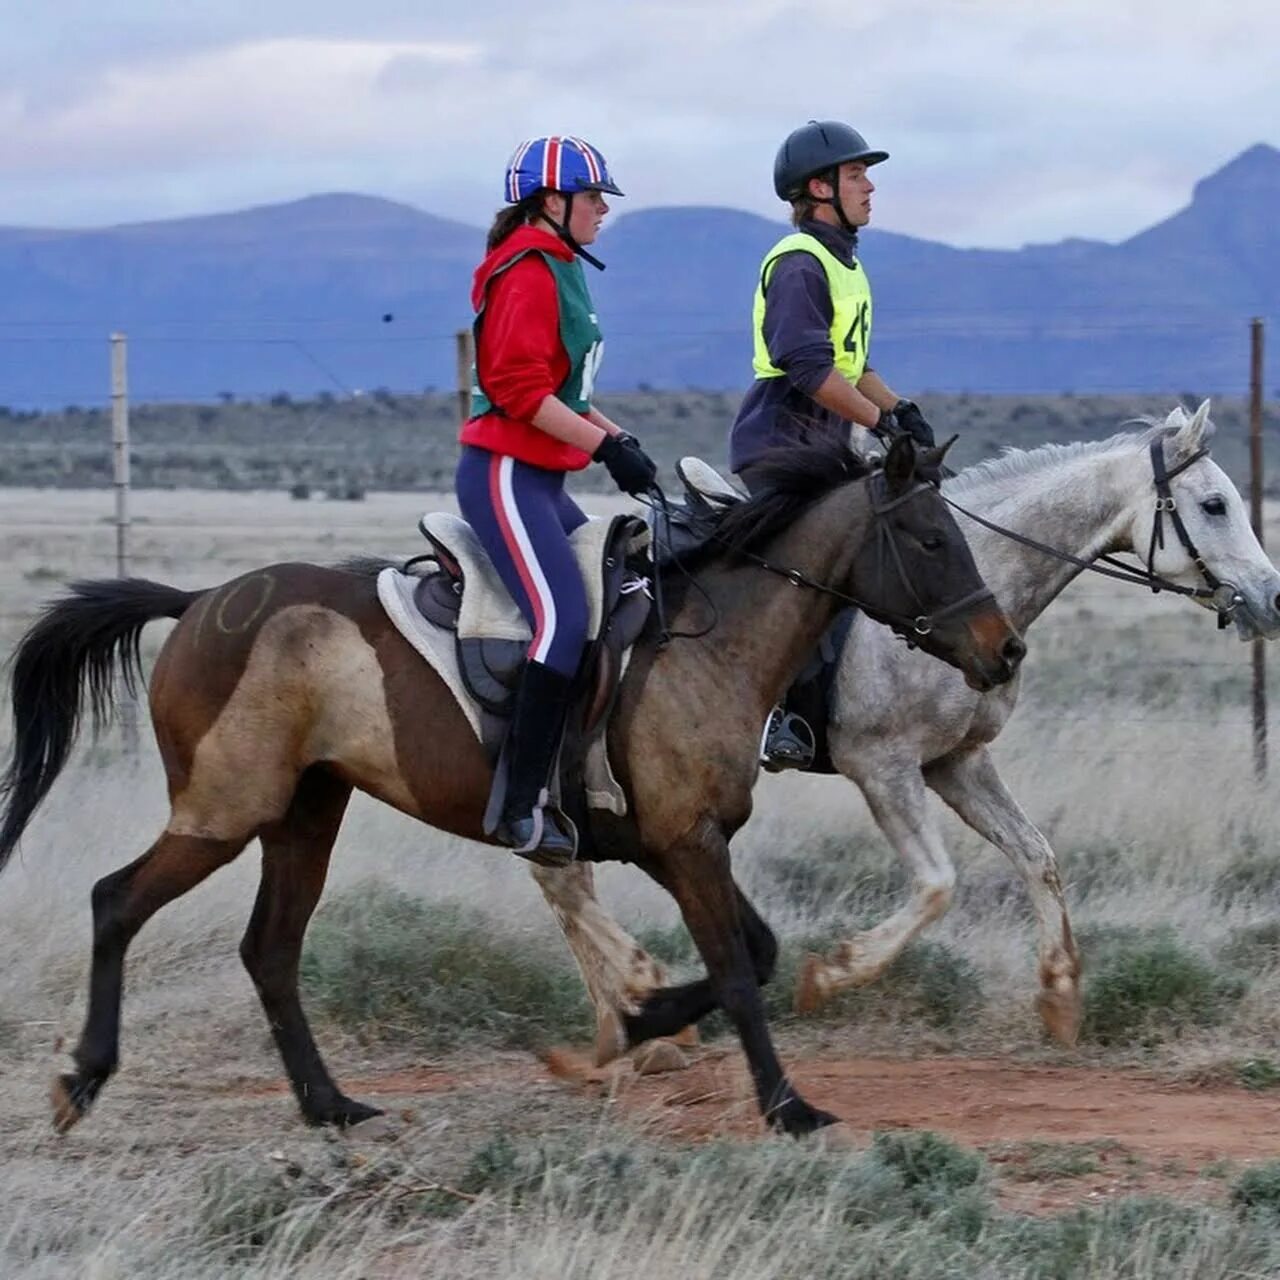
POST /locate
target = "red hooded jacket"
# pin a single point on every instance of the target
(519, 356)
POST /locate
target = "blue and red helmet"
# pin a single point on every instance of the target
(556, 164)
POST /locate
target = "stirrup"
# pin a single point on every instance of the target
(787, 742)
(545, 836)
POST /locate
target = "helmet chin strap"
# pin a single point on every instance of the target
(835, 201)
(563, 231)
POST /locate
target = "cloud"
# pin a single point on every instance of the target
(302, 97)
(1006, 121)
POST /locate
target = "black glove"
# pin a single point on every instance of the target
(632, 469)
(912, 421)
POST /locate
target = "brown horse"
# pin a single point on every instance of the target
(280, 691)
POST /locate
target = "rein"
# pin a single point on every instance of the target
(1224, 597)
(905, 626)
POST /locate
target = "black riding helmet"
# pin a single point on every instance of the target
(818, 149)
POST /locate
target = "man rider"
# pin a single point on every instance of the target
(812, 329)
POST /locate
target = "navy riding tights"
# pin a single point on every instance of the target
(524, 518)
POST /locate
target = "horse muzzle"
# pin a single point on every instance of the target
(995, 652)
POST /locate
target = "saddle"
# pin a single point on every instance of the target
(452, 606)
(466, 596)
(681, 531)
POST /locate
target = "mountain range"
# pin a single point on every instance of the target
(342, 293)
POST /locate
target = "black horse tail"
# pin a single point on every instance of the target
(76, 644)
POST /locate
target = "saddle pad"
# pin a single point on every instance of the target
(439, 648)
(488, 610)
(435, 644)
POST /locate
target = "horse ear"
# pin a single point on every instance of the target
(1194, 432)
(900, 464)
(931, 459)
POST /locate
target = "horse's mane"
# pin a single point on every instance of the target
(788, 480)
(1016, 464)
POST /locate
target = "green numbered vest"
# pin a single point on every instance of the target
(850, 306)
(579, 332)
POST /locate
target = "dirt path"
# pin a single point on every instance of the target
(1056, 1135)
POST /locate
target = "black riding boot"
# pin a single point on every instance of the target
(528, 824)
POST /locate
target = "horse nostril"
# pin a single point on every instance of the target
(1013, 651)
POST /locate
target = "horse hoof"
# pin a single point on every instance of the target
(798, 1119)
(344, 1114)
(69, 1101)
(1061, 1012)
(809, 993)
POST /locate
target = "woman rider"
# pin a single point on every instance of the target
(537, 350)
(812, 326)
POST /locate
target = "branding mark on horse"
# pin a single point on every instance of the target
(266, 587)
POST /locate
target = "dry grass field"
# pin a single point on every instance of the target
(436, 981)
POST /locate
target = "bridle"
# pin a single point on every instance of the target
(911, 628)
(1223, 597)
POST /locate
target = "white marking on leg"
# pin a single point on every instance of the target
(972, 786)
(899, 804)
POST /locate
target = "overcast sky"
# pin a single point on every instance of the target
(1008, 120)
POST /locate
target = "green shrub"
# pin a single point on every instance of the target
(388, 966)
(1111, 1240)
(1049, 1161)
(1253, 875)
(1258, 1073)
(834, 870)
(933, 983)
(1258, 1189)
(1095, 868)
(939, 1178)
(928, 981)
(242, 1211)
(1253, 947)
(1142, 985)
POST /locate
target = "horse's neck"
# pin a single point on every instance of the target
(766, 625)
(1078, 506)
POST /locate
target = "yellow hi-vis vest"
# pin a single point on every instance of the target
(850, 307)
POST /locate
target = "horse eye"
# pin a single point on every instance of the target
(1214, 506)
(932, 542)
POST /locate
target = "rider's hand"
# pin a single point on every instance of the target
(909, 419)
(632, 469)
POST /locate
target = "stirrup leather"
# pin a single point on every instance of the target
(787, 742)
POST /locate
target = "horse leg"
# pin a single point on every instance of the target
(972, 786)
(697, 874)
(295, 862)
(619, 973)
(665, 1011)
(899, 804)
(122, 904)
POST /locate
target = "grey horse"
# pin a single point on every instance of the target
(902, 724)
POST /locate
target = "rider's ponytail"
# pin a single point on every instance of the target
(510, 219)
